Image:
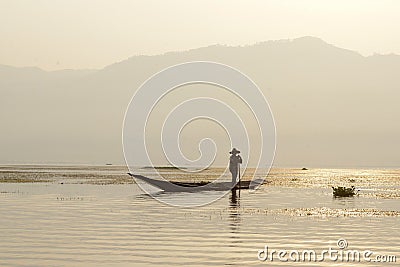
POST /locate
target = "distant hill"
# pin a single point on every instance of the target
(332, 106)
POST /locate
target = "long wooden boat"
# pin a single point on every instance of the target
(175, 186)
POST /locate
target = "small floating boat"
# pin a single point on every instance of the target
(344, 191)
(175, 186)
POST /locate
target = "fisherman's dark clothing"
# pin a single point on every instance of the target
(234, 162)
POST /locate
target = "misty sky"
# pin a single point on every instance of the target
(332, 107)
(56, 34)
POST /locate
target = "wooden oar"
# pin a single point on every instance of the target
(239, 177)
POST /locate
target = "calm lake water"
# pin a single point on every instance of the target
(96, 216)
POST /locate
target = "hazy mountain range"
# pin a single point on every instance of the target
(332, 106)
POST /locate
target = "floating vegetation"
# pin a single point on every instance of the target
(109, 181)
(388, 194)
(69, 198)
(10, 192)
(23, 180)
(341, 191)
(68, 177)
(317, 212)
(328, 212)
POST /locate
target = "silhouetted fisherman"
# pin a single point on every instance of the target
(234, 161)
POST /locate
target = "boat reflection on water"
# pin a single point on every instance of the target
(234, 199)
(235, 221)
(234, 211)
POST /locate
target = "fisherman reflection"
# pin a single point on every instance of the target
(234, 211)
